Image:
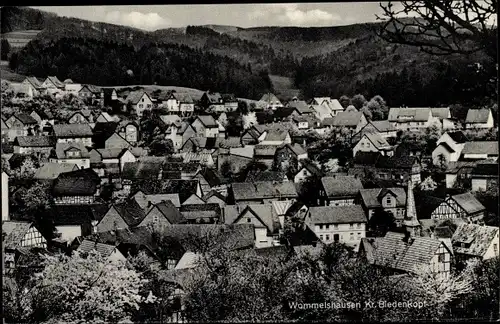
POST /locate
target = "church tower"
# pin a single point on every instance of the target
(411, 223)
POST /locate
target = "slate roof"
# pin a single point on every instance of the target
(279, 113)
(393, 252)
(347, 119)
(264, 212)
(481, 147)
(336, 214)
(50, 171)
(458, 136)
(76, 214)
(341, 186)
(208, 121)
(468, 202)
(276, 135)
(265, 150)
(35, 141)
(408, 114)
(257, 175)
(477, 116)
(104, 249)
(141, 170)
(135, 97)
(447, 147)
(14, 233)
(485, 169)
(131, 212)
(263, 190)
(83, 182)
(201, 211)
(171, 119)
(169, 210)
(312, 168)
(425, 204)
(72, 130)
(212, 176)
(25, 119)
(372, 197)
(323, 111)
(185, 188)
(62, 148)
(477, 239)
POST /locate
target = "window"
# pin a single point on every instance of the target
(141, 105)
(351, 237)
(327, 226)
(359, 235)
(441, 257)
(351, 225)
(320, 227)
(335, 237)
(327, 237)
(249, 220)
(388, 200)
(155, 219)
(358, 225)
(149, 105)
(142, 100)
(495, 248)
(321, 237)
(335, 226)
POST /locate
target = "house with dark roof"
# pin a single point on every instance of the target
(464, 206)
(267, 175)
(114, 135)
(108, 251)
(52, 83)
(83, 116)
(301, 106)
(117, 156)
(215, 197)
(475, 242)
(373, 142)
(34, 87)
(163, 213)
(307, 169)
(212, 101)
(262, 192)
(210, 178)
(479, 119)
(459, 172)
(479, 150)
(91, 93)
(184, 188)
(270, 101)
(201, 213)
(73, 133)
(18, 234)
(382, 127)
(391, 200)
(206, 126)
(352, 121)
(37, 145)
(71, 220)
(449, 147)
(140, 101)
(123, 215)
(373, 165)
(50, 171)
(20, 124)
(180, 102)
(339, 190)
(180, 134)
(342, 224)
(44, 118)
(261, 216)
(75, 153)
(230, 102)
(484, 176)
(76, 187)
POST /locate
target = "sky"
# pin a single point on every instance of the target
(152, 17)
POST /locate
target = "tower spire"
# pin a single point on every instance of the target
(411, 223)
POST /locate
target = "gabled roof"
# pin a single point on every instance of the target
(34, 82)
(130, 212)
(477, 239)
(213, 97)
(337, 214)
(50, 171)
(103, 131)
(312, 168)
(280, 113)
(83, 182)
(228, 97)
(392, 251)
(339, 186)
(378, 141)
(208, 121)
(214, 193)
(56, 81)
(72, 130)
(185, 188)
(212, 176)
(25, 119)
(135, 97)
(262, 190)
(171, 119)
(346, 118)
(366, 158)
(396, 162)
(322, 111)
(372, 197)
(269, 97)
(458, 137)
(14, 233)
(301, 106)
(447, 147)
(169, 210)
(477, 116)
(441, 113)
(264, 212)
(183, 97)
(62, 148)
(104, 249)
(201, 211)
(483, 147)
(268, 175)
(409, 114)
(468, 202)
(35, 141)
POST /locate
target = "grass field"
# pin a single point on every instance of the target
(283, 87)
(8, 75)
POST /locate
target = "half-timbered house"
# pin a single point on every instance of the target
(464, 206)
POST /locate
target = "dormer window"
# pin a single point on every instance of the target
(388, 200)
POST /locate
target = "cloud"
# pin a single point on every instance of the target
(149, 21)
(290, 14)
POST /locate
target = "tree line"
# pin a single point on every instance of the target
(111, 64)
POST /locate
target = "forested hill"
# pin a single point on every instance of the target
(111, 64)
(400, 74)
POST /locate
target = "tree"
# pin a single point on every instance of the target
(161, 146)
(358, 101)
(378, 108)
(381, 222)
(243, 107)
(14, 61)
(5, 49)
(442, 27)
(428, 184)
(226, 169)
(82, 289)
(249, 120)
(345, 101)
